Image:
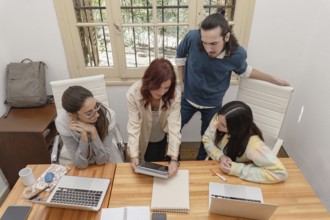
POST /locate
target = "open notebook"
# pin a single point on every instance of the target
(239, 201)
(172, 194)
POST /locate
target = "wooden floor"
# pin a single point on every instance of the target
(188, 151)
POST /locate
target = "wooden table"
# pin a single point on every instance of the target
(295, 197)
(41, 212)
(25, 136)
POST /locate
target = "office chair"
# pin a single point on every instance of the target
(96, 84)
(269, 104)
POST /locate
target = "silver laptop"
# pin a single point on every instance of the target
(75, 192)
(238, 201)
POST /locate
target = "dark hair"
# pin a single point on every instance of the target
(74, 98)
(240, 127)
(159, 71)
(218, 20)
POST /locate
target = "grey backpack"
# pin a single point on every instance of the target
(26, 84)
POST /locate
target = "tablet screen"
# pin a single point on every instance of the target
(154, 166)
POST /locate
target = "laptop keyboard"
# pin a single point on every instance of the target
(76, 197)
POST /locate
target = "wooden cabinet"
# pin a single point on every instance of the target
(25, 137)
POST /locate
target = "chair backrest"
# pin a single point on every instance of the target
(269, 104)
(96, 84)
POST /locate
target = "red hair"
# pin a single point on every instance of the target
(159, 71)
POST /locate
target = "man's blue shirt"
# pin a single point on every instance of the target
(207, 79)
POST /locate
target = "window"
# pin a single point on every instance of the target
(119, 38)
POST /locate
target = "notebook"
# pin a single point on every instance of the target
(238, 201)
(172, 194)
(75, 192)
(126, 213)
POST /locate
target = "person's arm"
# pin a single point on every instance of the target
(133, 128)
(181, 70)
(257, 74)
(264, 167)
(104, 152)
(182, 51)
(77, 151)
(174, 133)
(208, 140)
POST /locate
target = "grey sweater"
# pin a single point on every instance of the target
(74, 150)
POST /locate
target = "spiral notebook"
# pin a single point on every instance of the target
(172, 194)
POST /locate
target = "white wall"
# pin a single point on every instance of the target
(288, 39)
(29, 29)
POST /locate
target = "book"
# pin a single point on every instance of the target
(152, 169)
(126, 213)
(172, 194)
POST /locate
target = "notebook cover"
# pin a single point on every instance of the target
(172, 194)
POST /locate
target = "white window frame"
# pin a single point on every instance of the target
(118, 74)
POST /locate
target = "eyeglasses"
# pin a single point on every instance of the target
(92, 113)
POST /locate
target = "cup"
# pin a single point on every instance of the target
(27, 176)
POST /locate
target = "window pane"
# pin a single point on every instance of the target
(96, 46)
(139, 46)
(136, 12)
(172, 11)
(210, 6)
(168, 39)
(90, 11)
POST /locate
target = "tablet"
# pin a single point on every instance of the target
(17, 212)
(152, 169)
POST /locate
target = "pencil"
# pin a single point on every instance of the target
(218, 175)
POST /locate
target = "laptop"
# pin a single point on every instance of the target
(238, 201)
(75, 192)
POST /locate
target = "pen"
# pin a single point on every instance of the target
(236, 198)
(221, 177)
(35, 195)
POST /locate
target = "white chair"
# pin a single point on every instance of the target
(96, 84)
(269, 104)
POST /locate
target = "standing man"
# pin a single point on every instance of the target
(205, 60)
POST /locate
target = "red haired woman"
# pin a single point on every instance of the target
(154, 119)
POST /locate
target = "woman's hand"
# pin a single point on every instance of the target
(225, 164)
(173, 167)
(134, 162)
(83, 128)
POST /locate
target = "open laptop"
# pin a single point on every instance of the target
(75, 192)
(238, 201)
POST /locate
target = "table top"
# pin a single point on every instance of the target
(28, 119)
(42, 212)
(295, 197)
